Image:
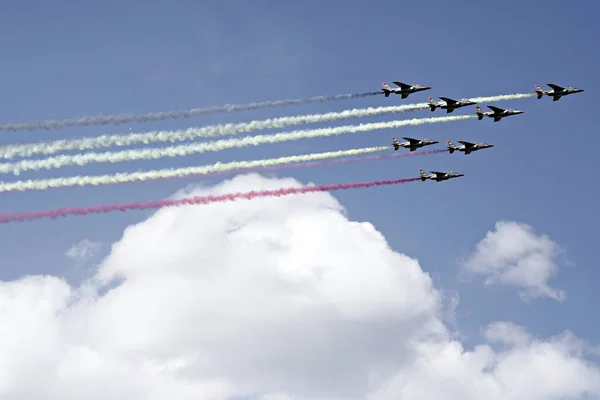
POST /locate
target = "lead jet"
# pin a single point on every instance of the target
(403, 89)
(449, 104)
(439, 176)
(497, 113)
(411, 143)
(557, 91)
(467, 147)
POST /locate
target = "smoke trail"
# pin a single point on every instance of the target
(52, 147)
(197, 200)
(86, 180)
(29, 149)
(125, 118)
(309, 164)
(196, 148)
(503, 97)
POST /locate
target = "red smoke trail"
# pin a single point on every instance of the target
(103, 209)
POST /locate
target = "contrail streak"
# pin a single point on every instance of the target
(125, 118)
(198, 200)
(51, 147)
(311, 164)
(196, 148)
(218, 168)
(503, 97)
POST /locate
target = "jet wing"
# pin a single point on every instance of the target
(449, 100)
(401, 85)
(496, 119)
(496, 109)
(467, 144)
(556, 98)
(555, 87)
(404, 95)
(411, 140)
(438, 173)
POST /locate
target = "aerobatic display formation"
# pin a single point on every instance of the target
(90, 153)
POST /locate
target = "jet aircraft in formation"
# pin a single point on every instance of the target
(467, 147)
(403, 89)
(448, 104)
(497, 113)
(439, 176)
(411, 143)
(557, 91)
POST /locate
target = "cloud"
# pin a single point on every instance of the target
(541, 369)
(270, 299)
(507, 333)
(513, 254)
(82, 251)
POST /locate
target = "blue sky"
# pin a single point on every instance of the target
(69, 59)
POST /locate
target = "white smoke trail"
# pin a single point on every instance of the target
(193, 133)
(125, 118)
(43, 184)
(27, 150)
(503, 97)
(196, 148)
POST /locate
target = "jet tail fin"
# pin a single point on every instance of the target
(479, 113)
(539, 91)
(451, 146)
(432, 104)
(386, 89)
(423, 175)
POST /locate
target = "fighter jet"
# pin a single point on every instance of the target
(449, 104)
(557, 91)
(411, 143)
(439, 176)
(403, 89)
(467, 147)
(497, 113)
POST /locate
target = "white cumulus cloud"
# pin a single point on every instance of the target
(514, 254)
(541, 369)
(82, 251)
(507, 332)
(268, 299)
